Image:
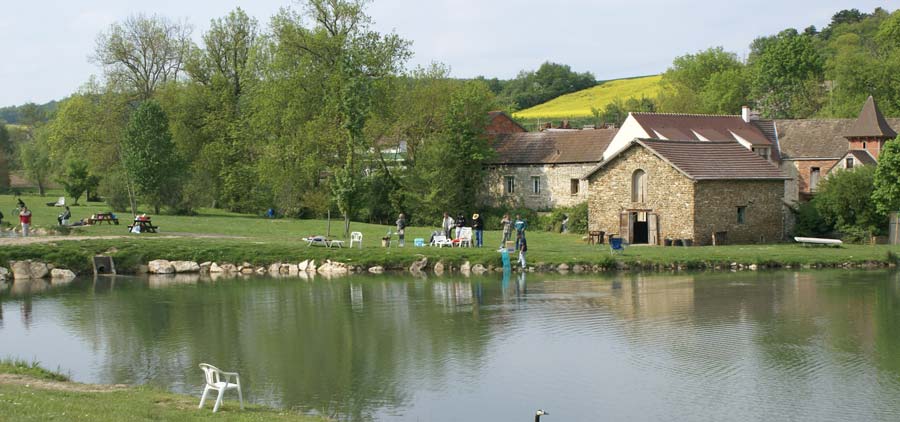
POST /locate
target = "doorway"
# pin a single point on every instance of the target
(639, 228)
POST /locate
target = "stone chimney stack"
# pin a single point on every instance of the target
(745, 114)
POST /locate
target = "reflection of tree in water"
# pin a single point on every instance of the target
(344, 348)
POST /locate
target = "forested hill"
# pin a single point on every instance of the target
(28, 113)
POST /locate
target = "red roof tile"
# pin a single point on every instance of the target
(686, 127)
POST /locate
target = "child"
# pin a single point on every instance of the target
(523, 247)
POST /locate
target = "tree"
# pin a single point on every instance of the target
(787, 75)
(551, 80)
(143, 52)
(886, 194)
(76, 179)
(844, 199)
(36, 160)
(149, 157)
(450, 169)
(710, 81)
(228, 43)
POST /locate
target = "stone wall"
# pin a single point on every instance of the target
(716, 208)
(555, 185)
(669, 194)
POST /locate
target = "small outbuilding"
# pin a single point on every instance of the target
(653, 190)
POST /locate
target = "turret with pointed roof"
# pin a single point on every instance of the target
(870, 130)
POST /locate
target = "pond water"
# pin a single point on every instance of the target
(807, 346)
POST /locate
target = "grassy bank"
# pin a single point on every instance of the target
(219, 236)
(30, 393)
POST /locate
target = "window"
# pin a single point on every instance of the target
(573, 183)
(535, 184)
(849, 162)
(741, 214)
(813, 178)
(639, 186)
(864, 145)
(509, 184)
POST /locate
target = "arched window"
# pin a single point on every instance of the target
(639, 186)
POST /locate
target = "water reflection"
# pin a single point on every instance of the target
(745, 346)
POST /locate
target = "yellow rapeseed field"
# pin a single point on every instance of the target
(578, 104)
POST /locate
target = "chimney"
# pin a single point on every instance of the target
(745, 114)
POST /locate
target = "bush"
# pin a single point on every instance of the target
(809, 221)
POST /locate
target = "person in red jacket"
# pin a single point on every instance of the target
(25, 219)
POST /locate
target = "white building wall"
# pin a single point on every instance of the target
(630, 129)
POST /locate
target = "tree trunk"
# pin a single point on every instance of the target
(41, 188)
(346, 225)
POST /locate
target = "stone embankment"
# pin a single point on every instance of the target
(25, 270)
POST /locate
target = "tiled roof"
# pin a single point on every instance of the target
(687, 127)
(492, 115)
(553, 147)
(767, 127)
(816, 138)
(699, 160)
(870, 123)
(862, 156)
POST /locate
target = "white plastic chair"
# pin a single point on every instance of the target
(441, 241)
(214, 381)
(465, 237)
(356, 237)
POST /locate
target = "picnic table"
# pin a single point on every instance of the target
(144, 225)
(100, 217)
(323, 241)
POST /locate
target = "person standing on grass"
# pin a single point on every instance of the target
(478, 228)
(1, 218)
(523, 247)
(507, 225)
(447, 225)
(565, 224)
(401, 228)
(25, 220)
(520, 226)
(460, 223)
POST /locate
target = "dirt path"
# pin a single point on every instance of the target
(32, 382)
(14, 241)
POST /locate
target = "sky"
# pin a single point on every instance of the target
(47, 44)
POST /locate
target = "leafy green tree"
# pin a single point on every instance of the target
(710, 81)
(149, 157)
(887, 178)
(787, 75)
(76, 179)
(844, 199)
(450, 168)
(36, 162)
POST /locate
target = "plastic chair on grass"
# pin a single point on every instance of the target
(356, 237)
(465, 237)
(219, 380)
(616, 245)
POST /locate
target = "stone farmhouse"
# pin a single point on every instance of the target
(543, 170)
(692, 190)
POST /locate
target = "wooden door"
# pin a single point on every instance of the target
(625, 226)
(652, 229)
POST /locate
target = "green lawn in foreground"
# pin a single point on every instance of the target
(44, 398)
(264, 241)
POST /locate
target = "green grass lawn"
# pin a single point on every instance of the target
(238, 238)
(43, 396)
